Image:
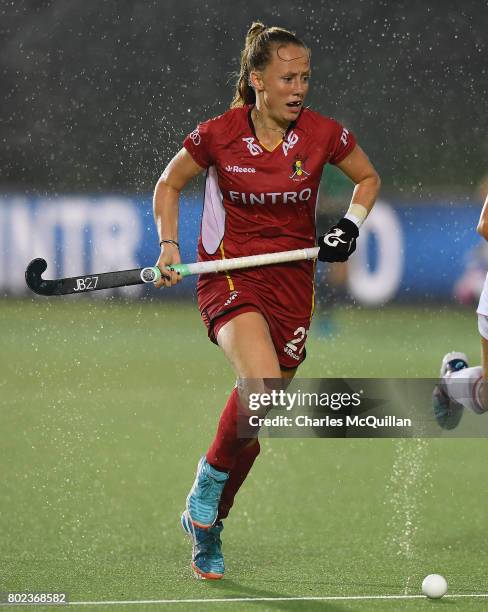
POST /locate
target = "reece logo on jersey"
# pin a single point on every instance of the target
(239, 169)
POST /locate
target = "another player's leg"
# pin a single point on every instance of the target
(447, 411)
(483, 387)
(461, 386)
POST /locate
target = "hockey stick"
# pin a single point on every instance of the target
(124, 278)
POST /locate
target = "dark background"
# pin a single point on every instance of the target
(97, 96)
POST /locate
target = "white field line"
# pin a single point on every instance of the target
(250, 599)
(253, 599)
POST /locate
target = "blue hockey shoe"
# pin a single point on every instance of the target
(203, 499)
(207, 560)
(448, 413)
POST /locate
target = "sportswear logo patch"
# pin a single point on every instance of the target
(290, 142)
(333, 238)
(253, 147)
(195, 137)
(239, 169)
(344, 135)
(231, 298)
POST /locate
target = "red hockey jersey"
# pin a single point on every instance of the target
(257, 200)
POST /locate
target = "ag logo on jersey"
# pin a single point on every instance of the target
(253, 147)
(299, 173)
(290, 142)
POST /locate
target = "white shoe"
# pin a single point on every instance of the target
(450, 363)
(448, 413)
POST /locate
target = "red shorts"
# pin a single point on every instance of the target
(283, 294)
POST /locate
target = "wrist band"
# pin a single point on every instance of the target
(170, 242)
(356, 213)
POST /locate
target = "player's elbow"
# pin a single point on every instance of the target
(165, 184)
(377, 182)
(374, 182)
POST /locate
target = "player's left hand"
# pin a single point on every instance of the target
(339, 242)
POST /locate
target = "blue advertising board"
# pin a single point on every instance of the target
(419, 252)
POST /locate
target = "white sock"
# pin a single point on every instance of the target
(464, 386)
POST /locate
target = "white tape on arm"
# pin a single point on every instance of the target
(356, 213)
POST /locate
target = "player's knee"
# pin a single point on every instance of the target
(256, 394)
(247, 390)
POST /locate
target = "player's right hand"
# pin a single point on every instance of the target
(170, 254)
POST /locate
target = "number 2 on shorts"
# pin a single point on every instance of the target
(300, 334)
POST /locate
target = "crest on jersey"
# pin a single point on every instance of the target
(298, 167)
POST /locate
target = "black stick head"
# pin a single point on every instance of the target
(33, 276)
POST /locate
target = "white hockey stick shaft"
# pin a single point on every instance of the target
(251, 261)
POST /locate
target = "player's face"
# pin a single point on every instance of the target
(285, 82)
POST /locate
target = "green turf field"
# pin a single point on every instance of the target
(106, 408)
